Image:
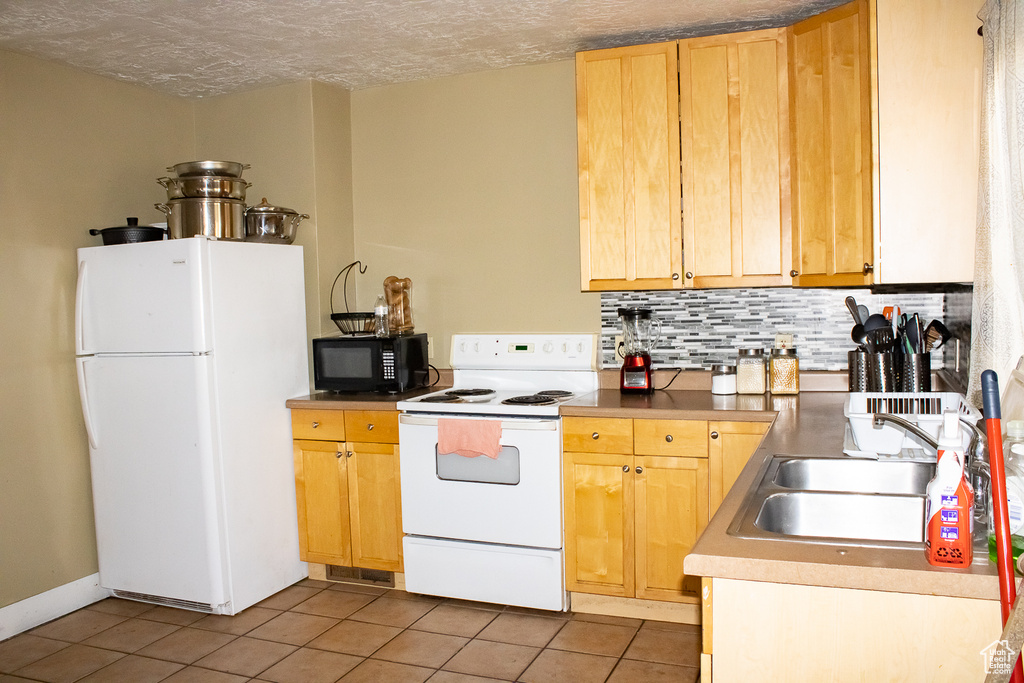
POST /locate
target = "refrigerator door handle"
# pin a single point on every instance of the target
(83, 393)
(79, 301)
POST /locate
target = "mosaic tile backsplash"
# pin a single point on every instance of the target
(704, 327)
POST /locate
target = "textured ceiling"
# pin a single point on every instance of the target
(199, 48)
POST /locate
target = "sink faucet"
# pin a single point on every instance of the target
(975, 462)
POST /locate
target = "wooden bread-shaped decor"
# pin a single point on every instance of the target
(396, 292)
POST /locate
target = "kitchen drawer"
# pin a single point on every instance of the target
(671, 437)
(319, 425)
(373, 426)
(597, 435)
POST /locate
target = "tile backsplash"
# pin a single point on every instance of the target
(703, 327)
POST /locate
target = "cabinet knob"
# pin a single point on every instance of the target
(675, 276)
(668, 437)
(595, 436)
(625, 468)
(369, 427)
(794, 273)
(315, 425)
(868, 268)
(338, 454)
(639, 470)
(714, 435)
(689, 275)
(349, 454)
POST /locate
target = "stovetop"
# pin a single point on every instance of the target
(520, 374)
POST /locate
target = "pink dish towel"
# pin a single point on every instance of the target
(469, 438)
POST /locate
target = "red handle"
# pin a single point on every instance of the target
(1001, 520)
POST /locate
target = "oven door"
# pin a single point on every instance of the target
(514, 500)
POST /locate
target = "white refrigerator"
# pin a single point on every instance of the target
(186, 352)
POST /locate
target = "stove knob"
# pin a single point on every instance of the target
(548, 347)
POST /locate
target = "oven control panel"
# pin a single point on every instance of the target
(525, 351)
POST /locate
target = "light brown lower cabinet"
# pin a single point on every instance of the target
(762, 631)
(348, 493)
(637, 496)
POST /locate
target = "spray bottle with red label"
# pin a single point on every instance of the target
(949, 506)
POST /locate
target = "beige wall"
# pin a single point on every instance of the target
(332, 168)
(296, 137)
(76, 152)
(468, 186)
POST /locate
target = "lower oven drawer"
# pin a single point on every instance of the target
(506, 575)
(514, 500)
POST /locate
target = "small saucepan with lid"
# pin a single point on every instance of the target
(275, 224)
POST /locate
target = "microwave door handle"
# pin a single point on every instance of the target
(525, 424)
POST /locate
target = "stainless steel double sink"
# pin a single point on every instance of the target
(832, 500)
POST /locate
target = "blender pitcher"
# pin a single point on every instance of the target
(640, 331)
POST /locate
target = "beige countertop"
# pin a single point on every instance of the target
(813, 424)
(329, 400)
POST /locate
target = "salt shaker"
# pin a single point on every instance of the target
(723, 379)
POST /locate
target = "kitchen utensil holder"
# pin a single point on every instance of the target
(915, 372)
(881, 372)
(857, 367)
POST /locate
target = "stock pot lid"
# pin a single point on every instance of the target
(264, 207)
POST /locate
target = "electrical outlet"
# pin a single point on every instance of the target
(618, 343)
(430, 348)
(783, 341)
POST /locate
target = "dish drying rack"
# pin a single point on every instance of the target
(924, 409)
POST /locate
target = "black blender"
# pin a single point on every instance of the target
(640, 331)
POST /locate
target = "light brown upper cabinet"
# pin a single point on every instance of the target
(830, 115)
(929, 118)
(627, 112)
(840, 151)
(735, 151)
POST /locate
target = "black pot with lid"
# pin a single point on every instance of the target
(133, 232)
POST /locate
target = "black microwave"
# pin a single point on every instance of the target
(364, 362)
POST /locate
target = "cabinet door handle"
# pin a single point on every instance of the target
(338, 455)
(315, 425)
(668, 437)
(625, 468)
(369, 427)
(595, 436)
(689, 275)
(675, 276)
(714, 435)
(868, 268)
(349, 454)
(794, 273)
(639, 470)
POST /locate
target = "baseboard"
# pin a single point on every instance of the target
(56, 602)
(680, 612)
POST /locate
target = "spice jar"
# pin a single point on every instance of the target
(723, 379)
(750, 371)
(785, 371)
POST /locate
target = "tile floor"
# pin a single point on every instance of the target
(320, 632)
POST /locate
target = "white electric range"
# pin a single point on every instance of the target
(488, 529)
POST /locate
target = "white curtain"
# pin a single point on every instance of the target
(997, 325)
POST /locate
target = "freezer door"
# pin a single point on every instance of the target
(155, 478)
(149, 297)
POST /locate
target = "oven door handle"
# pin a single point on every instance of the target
(523, 424)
